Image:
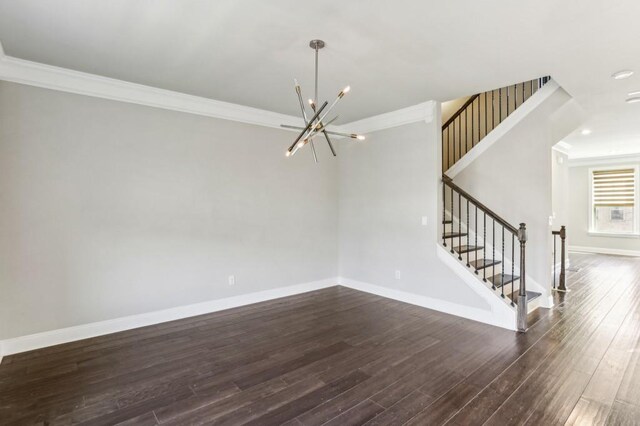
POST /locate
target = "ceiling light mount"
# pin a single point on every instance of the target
(316, 44)
(316, 123)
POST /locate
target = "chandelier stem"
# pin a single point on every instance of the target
(315, 99)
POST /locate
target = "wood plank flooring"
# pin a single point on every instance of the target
(342, 357)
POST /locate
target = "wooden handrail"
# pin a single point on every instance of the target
(462, 108)
(447, 181)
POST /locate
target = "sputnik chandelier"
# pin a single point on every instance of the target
(316, 124)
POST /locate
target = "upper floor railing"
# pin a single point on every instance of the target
(479, 115)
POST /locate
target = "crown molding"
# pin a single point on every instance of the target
(562, 147)
(66, 80)
(424, 112)
(600, 160)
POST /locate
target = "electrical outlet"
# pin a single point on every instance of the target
(398, 275)
(425, 220)
(232, 280)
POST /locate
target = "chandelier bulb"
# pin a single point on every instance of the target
(360, 137)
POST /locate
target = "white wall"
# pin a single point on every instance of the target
(513, 177)
(110, 209)
(578, 225)
(560, 189)
(386, 185)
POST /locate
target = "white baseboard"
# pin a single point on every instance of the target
(485, 316)
(85, 331)
(602, 250)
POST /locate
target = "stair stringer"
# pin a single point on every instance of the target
(546, 299)
(501, 314)
(504, 127)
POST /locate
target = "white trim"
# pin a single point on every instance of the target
(603, 160)
(423, 112)
(636, 219)
(504, 127)
(562, 147)
(602, 250)
(85, 331)
(67, 80)
(612, 234)
(503, 316)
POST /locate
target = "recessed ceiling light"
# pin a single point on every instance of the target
(633, 100)
(585, 132)
(622, 74)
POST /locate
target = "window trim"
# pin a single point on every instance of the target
(636, 201)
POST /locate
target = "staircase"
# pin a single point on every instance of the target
(492, 249)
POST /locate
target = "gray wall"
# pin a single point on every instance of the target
(386, 185)
(109, 209)
(579, 213)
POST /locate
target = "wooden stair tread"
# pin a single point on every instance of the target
(496, 280)
(447, 222)
(531, 295)
(454, 234)
(484, 263)
(466, 248)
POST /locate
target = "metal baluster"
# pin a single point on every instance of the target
(479, 119)
(523, 90)
(500, 106)
(459, 120)
(493, 247)
(468, 233)
(459, 225)
(532, 87)
(443, 155)
(484, 243)
(502, 267)
(444, 212)
(513, 266)
(486, 115)
(452, 218)
(450, 148)
(476, 245)
(473, 122)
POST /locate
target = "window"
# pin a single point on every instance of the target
(614, 197)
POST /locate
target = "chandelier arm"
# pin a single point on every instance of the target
(318, 128)
(304, 117)
(313, 149)
(330, 132)
(326, 136)
(308, 126)
(302, 109)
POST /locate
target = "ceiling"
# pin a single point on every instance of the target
(393, 54)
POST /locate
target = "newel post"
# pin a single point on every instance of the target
(563, 236)
(522, 291)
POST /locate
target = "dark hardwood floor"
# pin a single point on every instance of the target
(342, 357)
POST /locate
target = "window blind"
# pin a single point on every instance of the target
(614, 188)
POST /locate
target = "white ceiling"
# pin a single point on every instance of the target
(392, 53)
